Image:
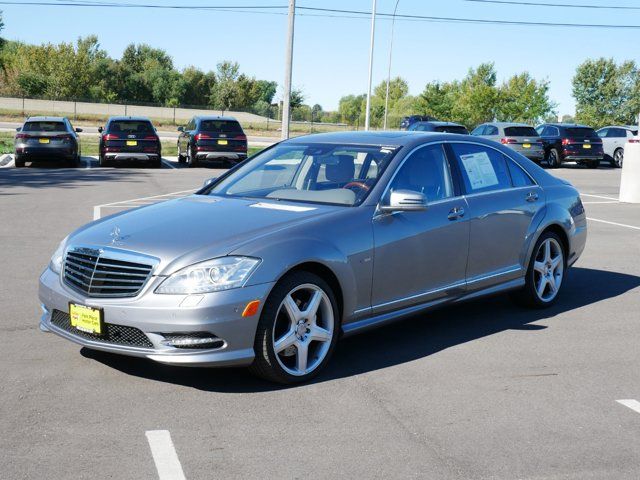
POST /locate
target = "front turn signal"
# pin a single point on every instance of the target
(251, 308)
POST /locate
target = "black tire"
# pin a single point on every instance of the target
(18, 162)
(101, 161)
(191, 161)
(618, 158)
(527, 296)
(553, 159)
(265, 364)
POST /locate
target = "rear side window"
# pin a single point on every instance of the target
(452, 129)
(617, 133)
(581, 132)
(44, 127)
(220, 126)
(478, 130)
(520, 132)
(130, 127)
(518, 175)
(490, 130)
(483, 169)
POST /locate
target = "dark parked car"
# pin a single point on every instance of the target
(129, 139)
(212, 138)
(46, 139)
(569, 142)
(406, 122)
(440, 127)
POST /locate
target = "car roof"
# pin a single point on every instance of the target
(625, 127)
(45, 119)
(437, 123)
(215, 117)
(569, 125)
(507, 124)
(135, 119)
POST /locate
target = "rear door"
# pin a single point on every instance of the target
(503, 202)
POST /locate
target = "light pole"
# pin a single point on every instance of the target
(286, 101)
(386, 99)
(367, 115)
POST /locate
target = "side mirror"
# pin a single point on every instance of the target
(209, 181)
(181, 128)
(100, 129)
(18, 129)
(405, 201)
(78, 130)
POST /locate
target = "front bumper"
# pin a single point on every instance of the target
(218, 313)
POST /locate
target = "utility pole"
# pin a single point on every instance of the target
(367, 116)
(286, 101)
(386, 99)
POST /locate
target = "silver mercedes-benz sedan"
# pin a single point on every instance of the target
(316, 237)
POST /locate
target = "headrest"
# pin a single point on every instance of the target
(342, 171)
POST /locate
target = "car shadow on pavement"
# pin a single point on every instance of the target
(49, 175)
(404, 341)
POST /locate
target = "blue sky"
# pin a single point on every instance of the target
(331, 54)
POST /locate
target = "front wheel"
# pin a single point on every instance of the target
(545, 273)
(297, 331)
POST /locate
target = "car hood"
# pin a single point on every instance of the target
(196, 228)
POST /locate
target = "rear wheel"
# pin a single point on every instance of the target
(297, 331)
(191, 161)
(545, 273)
(102, 162)
(181, 158)
(618, 158)
(554, 158)
(18, 162)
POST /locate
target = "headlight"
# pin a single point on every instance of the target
(55, 263)
(211, 276)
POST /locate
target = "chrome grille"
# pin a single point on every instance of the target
(100, 273)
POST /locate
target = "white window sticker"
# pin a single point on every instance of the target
(479, 170)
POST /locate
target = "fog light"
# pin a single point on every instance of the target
(192, 340)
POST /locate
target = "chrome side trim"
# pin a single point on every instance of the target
(494, 275)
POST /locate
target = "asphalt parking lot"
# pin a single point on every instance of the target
(480, 390)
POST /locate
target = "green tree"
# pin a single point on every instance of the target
(351, 108)
(524, 99)
(197, 86)
(438, 100)
(478, 96)
(606, 93)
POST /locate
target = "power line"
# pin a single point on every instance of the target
(87, 3)
(561, 5)
(479, 21)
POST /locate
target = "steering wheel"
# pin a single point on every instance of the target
(360, 185)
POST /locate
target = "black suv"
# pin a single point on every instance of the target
(212, 138)
(406, 122)
(570, 142)
(129, 139)
(47, 138)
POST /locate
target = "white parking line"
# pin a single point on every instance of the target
(632, 404)
(613, 223)
(138, 202)
(600, 203)
(164, 455)
(168, 164)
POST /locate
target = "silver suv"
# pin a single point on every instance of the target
(520, 137)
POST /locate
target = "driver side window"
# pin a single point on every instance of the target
(426, 171)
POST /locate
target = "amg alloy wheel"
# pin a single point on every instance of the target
(545, 273)
(297, 331)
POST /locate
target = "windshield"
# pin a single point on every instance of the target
(313, 173)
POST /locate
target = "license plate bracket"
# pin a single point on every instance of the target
(43, 140)
(86, 319)
(223, 142)
(132, 143)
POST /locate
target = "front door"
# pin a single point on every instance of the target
(421, 256)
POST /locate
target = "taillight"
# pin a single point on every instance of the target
(202, 136)
(634, 140)
(110, 136)
(507, 141)
(64, 136)
(567, 141)
(22, 135)
(151, 137)
(240, 137)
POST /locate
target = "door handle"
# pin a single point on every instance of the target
(456, 213)
(532, 197)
